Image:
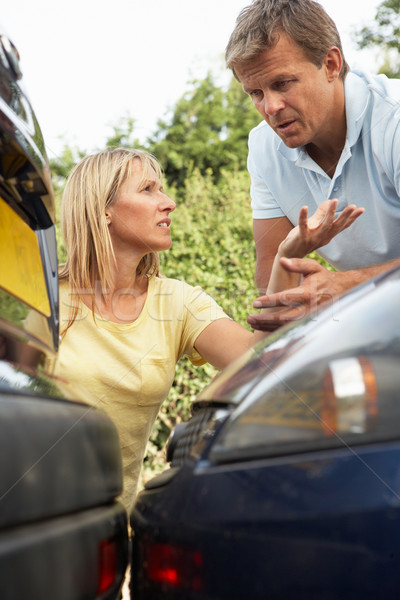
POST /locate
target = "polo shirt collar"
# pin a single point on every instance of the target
(356, 100)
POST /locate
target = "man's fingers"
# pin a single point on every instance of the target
(272, 321)
(321, 215)
(347, 217)
(293, 297)
(262, 325)
(330, 215)
(303, 218)
(304, 266)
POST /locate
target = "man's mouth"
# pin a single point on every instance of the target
(284, 126)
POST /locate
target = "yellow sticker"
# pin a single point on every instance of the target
(21, 269)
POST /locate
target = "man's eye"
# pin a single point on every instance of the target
(256, 94)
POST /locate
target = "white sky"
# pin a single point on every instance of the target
(86, 63)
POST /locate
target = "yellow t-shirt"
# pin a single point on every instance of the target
(128, 369)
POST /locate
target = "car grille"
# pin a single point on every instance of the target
(190, 435)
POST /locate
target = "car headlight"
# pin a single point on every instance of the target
(349, 396)
(340, 386)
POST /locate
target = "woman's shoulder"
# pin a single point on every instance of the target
(69, 300)
(168, 283)
(63, 286)
(184, 295)
(166, 288)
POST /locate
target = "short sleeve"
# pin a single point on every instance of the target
(395, 154)
(263, 203)
(200, 311)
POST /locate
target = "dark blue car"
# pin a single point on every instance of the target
(286, 481)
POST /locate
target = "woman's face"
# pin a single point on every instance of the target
(139, 216)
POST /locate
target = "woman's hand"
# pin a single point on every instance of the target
(318, 230)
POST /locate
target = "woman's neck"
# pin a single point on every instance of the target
(124, 300)
(123, 304)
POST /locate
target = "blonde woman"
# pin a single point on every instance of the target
(124, 327)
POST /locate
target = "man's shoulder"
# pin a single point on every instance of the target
(263, 138)
(379, 85)
(260, 130)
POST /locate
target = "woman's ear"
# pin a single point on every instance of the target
(108, 218)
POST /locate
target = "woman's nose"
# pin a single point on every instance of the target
(168, 204)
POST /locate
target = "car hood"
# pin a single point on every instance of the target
(356, 319)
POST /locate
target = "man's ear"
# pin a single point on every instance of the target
(333, 62)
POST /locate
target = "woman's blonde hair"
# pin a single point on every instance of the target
(92, 186)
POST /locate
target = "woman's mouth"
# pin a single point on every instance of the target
(164, 223)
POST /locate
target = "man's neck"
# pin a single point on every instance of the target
(327, 148)
(327, 159)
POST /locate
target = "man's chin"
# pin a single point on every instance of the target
(291, 142)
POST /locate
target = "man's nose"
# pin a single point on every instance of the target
(273, 103)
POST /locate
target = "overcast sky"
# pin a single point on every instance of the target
(87, 63)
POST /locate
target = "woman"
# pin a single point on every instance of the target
(123, 326)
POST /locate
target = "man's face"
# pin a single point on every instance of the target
(295, 97)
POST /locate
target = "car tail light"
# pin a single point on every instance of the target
(107, 565)
(173, 566)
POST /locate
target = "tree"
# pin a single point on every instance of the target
(384, 33)
(62, 165)
(208, 131)
(122, 135)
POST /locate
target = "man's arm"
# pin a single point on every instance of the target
(310, 234)
(268, 234)
(318, 287)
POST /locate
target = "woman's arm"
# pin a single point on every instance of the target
(223, 341)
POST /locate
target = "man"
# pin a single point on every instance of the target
(327, 133)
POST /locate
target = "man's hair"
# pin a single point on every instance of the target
(259, 25)
(92, 186)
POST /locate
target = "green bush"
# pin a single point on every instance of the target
(212, 246)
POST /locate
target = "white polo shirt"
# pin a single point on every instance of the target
(368, 174)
